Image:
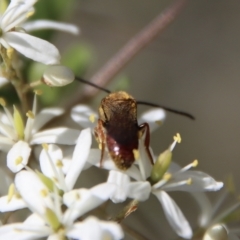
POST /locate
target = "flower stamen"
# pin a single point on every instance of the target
(77, 196)
(59, 163)
(167, 176)
(159, 122)
(180, 183)
(136, 154)
(11, 191)
(44, 192)
(18, 160)
(92, 118)
(177, 139)
(38, 92)
(58, 175)
(29, 14)
(30, 114)
(191, 165)
(45, 146)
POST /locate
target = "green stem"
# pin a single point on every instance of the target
(32, 85)
(14, 76)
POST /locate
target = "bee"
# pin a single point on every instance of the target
(118, 130)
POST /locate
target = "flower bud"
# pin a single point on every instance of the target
(18, 123)
(161, 166)
(58, 76)
(217, 231)
(52, 219)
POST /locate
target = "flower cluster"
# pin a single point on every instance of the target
(45, 182)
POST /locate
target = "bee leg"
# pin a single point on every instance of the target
(99, 135)
(145, 127)
(102, 154)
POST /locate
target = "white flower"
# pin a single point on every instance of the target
(65, 172)
(32, 47)
(48, 220)
(16, 139)
(13, 35)
(57, 171)
(168, 178)
(58, 76)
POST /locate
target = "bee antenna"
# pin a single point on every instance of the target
(92, 84)
(167, 109)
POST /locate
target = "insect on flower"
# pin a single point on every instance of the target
(117, 128)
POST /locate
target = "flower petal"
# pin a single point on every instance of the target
(144, 163)
(33, 192)
(54, 236)
(200, 181)
(139, 190)
(154, 118)
(7, 131)
(6, 144)
(83, 200)
(92, 228)
(94, 159)
(34, 218)
(13, 231)
(47, 24)
(55, 154)
(32, 47)
(45, 116)
(58, 76)
(61, 135)
(15, 14)
(12, 205)
(81, 114)
(134, 173)
(174, 215)
(206, 208)
(122, 182)
(79, 158)
(18, 156)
